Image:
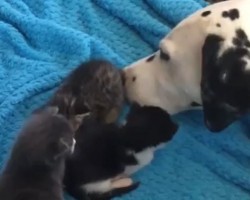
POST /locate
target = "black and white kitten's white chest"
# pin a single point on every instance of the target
(143, 158)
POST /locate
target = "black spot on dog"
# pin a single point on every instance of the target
(218, 25)
(224, 14)
(164, 56)
(134, 79)
(150, 58)
(205, 13)
(232, 14)
(241, 39)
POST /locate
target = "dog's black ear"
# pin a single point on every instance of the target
(210, 51)
(217, 114)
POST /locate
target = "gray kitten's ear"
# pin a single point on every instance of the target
(63, 147)
(53, 110)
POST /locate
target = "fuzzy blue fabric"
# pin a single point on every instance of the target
(42, 40)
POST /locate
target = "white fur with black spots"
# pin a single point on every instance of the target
(171, 77)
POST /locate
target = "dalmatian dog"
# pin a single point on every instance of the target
(204, 60)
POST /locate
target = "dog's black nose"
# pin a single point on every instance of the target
(123, 77)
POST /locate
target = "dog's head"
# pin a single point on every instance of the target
(225, 85)
(168, 78)
(223, 80)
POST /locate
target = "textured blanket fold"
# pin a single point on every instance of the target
(42, 40)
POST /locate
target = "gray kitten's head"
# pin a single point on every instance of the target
(46, 138)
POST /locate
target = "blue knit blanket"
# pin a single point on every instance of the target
(42, 40)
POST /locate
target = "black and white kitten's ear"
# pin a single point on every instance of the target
(78, 119)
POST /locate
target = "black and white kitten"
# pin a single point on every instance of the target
(98, 160)
(106, 154)
(147, 129)
(35, 168)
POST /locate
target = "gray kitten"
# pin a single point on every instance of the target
(35, 168)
